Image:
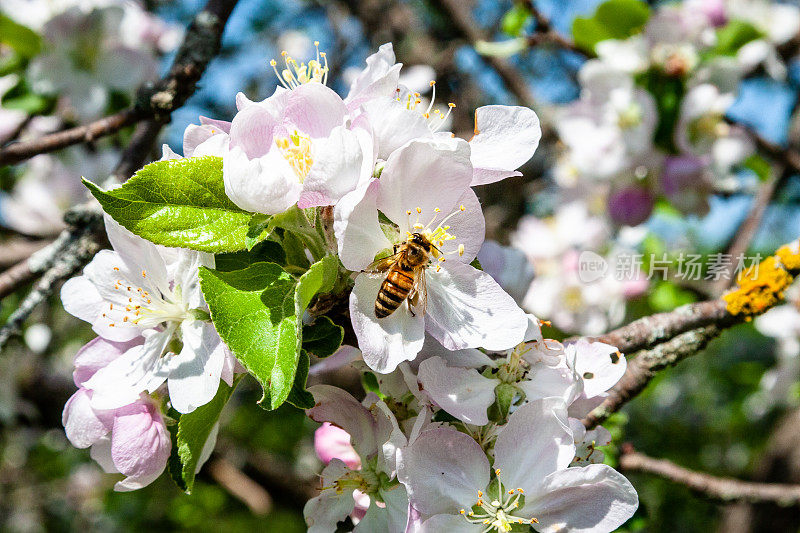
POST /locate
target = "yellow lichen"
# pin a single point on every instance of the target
(790, 256)
(760, 287)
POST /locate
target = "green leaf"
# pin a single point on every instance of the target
(253, 311)
(323, 337)
(299, 396)
(613, 19)
(476, 264)
(178, 203)
(319, 278)
(193, 431)
(263, 252)
(734, 35)
(24, 40)
(370, 384)
(258, 229)
(514, 20)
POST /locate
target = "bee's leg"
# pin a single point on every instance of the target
(412, 299)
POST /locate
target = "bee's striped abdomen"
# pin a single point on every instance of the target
(394, 290)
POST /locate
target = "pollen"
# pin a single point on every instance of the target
(296, 149)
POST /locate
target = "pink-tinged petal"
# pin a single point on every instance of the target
(315, 110)
(344, 356)
(443, 470)
(323, 512)
(384, 342)
(168, 154)
(242, 101)
(378, 79)
(332, 442)
(82, 424)
(427, 174)
(355, 224)
(81, 299)
(369, 148)
(140, 445)
(195, 135)
(536, 442)
(265, 185)
(195, 373)
(222, 125)
(462, 392)
(101, 452)
(594, 498)
(252, 130)
(393, 124)
(338, 407)
(336, 170)
(547, 382)
(600, 365)
(96, 354)
(468, 227)
(505, 138)
(468, 309)
(450, 523)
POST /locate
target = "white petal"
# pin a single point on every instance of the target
(264, 185)
(392, 518)
(443, 470)
(101, 452)
(393, 124)
(450, 523)
(138, 255)
(336, 170)
(594, 498)
(195, 375)
(427, 174)
(599, 365)
(547, 382)
(468, 227)
(536, 442)
(323, 512)
(378, 79)
(81, 299)
(505, 138)
(384, 342)
(462, 392)
(468, 309)
(355, 223)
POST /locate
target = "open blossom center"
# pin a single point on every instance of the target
(143, 308)
(296, 74)
(434, 117)
(497, 514)
(437, 235)
(296, 149)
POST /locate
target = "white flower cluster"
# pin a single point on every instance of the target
(473, 423)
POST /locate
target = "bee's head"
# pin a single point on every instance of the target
(420, 239)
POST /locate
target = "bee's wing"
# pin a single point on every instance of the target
(382, 265)
(421, 290)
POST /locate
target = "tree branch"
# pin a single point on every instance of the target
(202, 42)
(643, 367)
(717, 488)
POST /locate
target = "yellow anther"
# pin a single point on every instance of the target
(451, 105)
(437, 210)
(462, 207)
(419, 210)
(460, 249)
(432, 83)
(272, 62)
(316, 43)
(497, 472)
(284, 53)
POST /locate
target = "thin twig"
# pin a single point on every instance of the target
(15, 250)
(157, 101)
(717, 488)
(241, 486)
(643, 367)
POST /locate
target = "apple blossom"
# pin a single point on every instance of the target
(451, 483)
(143, 290)
(424, 187)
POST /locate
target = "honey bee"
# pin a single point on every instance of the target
(405, 275)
